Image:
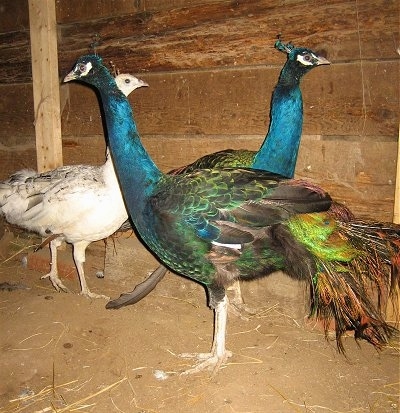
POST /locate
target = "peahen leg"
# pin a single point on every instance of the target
(79, 258)
(218, 354)
(237, 306)
(53, 274)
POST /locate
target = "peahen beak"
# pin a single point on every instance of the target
(141, 82)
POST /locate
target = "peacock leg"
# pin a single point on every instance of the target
(53, 274)
(218, 354)
(79, 258)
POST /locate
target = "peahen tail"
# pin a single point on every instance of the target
(358, 266)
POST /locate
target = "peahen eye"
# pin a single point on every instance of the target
(127, 81)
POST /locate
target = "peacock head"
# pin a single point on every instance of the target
(86, 68)
(90, 69)
(300, 60)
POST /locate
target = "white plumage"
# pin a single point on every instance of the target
(78, 204)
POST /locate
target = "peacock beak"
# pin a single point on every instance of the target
(322, 61)
(70, 76)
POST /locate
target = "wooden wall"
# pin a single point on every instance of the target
(211, 67)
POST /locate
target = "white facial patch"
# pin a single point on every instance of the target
(307, 59)
(87, 68)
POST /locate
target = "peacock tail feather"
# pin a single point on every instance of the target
(357, 273)
(318, 232)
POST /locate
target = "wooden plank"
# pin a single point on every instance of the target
(218, 35)
(87, 150)
(16, 113)
(78, 10)
(43, 33)
(237, 101)
(14, 16)
(15, 61)
(22, 157)
(222, 35)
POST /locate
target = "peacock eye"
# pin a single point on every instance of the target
(82, 68)
(127, 81)
(307, 57)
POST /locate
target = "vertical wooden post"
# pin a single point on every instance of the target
(46, 92)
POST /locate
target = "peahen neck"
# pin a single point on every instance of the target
(137, 173)
(280, 148)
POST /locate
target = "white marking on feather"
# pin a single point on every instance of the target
(233, 246)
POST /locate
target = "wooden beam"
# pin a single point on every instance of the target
(46, 92)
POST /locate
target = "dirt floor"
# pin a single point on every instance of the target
(65, 353)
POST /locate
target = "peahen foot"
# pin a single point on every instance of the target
(56, 282)
(236, 306)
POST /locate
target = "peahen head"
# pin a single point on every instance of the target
(300, 60)
(128, 83)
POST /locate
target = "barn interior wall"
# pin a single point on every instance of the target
(211, 67)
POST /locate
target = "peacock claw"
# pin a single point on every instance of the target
(56, 282)
(89, 294)
(207, 361)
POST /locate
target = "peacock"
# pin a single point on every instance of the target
(216, 226)
(278, 152)
(78, 204)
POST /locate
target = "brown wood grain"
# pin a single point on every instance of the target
(342, 99)
(220, 35)
(226, 34)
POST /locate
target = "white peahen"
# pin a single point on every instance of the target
(78, 204)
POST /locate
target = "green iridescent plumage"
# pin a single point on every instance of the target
(218, 226)
(320, 235)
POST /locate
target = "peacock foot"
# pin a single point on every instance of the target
(56, 282)
(207, 361)
(89, 294)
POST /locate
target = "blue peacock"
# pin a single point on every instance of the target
(278, 153)
(216, 226)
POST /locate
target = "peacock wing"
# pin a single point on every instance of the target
(209, 202)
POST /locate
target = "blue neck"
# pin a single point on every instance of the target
(280, 148)
(136, 171)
